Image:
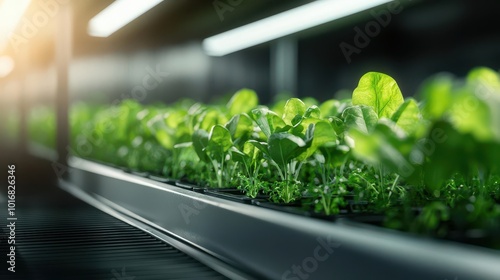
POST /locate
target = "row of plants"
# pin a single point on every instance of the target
(41, 126)
(427, 165)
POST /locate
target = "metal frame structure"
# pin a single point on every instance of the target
(268, 244)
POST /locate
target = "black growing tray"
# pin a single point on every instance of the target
(271, 244)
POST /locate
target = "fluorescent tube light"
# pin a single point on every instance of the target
(289, 22)
(117, 15)
(11, 12)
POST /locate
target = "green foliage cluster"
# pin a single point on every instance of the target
(41, 126)
(418, 161)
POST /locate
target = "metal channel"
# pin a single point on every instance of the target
(277, 245)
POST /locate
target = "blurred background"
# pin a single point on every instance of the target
(57, 53)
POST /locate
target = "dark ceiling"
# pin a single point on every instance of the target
(173, 21)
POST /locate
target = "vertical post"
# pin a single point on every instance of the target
(19, 84)
(23, 112)
(63, 40)
(284, 66)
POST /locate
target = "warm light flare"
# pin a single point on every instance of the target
(6, 66)
(11, 12)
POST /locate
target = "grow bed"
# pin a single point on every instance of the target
(271, 244)
(427, 167)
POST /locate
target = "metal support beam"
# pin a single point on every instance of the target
(63, 40)
(284, 66)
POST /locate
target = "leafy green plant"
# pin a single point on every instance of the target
(422, 162)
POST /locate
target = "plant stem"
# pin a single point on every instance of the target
(368, 183)
(393, 185)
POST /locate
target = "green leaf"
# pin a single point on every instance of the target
(240, 127)
(485, 76)
(363, 118)
(267, 120)
(323, 134)
(183, 145)
(262, 146)
(251, 150)
(200, 143)
(408, 116)
(249, 153)
(301, 127)
(334, 155)
(437, 96)
(209, 117)
(240, 156)
(293, 107)
(331, 108)
(283, 147)
(219, 141)
(376, 149)
(470, 114)
(313, 112)
(337, 124)
(242, 101)
(446, 154)
(309, 101)
(379, 91)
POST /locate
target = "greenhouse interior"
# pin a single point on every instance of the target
(238, 139)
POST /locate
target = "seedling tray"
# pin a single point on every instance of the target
(271, 244)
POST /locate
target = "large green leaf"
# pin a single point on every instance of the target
(363, 118)
(267, 120)
(262, 146)
(200, 144)
(219, 141)
(437, 95)
(208, 118)
(486, 76)
(338, 125)
(240, 127)
(161, 131)
(310, 101)
(408, 116)
(283, 147)
(376, 149)
(242, 101)
(249, 154)
(294, 107)
(301, 126)
(313, 112)
(470, 114)
(379, 91)
(251, 150)
(330, 108)
(323, 134)
(240, 156)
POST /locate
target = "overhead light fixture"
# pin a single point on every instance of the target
(117, 15)
(285, 23)
(11, 12)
